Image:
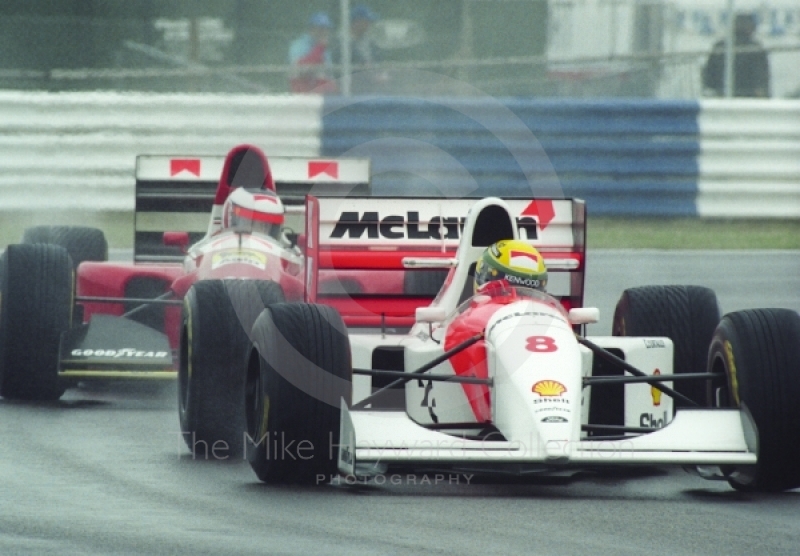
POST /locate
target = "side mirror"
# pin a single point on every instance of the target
(177, 239)
(430, 314)
(290, 235)
(584, 315)
(291, 239)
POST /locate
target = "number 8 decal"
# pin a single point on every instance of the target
(540, 344)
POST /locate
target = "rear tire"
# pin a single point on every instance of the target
(298, 372)
(82, 243)
(759, 353)
(35, 308)
(217, 316)
(688, 315)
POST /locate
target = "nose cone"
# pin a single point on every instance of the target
(536, 364)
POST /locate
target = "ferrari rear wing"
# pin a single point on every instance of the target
(176, 193)
(382, 240)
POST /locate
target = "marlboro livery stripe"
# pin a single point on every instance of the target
(178, 165)
(323, 168)
(258, 216)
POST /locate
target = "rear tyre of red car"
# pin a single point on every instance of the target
(217, 317)
(81, 242)
(298, 373)
(688, 315)
(758, 353)
(35, 308)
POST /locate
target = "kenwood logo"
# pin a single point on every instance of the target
(352, 226)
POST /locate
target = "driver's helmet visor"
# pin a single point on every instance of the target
(247, 220)
(486, 273)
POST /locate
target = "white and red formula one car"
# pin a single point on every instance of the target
(504, 382)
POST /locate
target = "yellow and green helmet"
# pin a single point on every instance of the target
(515, 261)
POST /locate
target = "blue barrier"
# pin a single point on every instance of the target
(634, 157)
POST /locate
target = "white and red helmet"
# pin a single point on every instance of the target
(249, 211)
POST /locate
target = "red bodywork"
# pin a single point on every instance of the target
(105, 279)
(112, 279)
(384, 270)
(245, 166)
(224, 254)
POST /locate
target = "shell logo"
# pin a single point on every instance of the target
(655, 393)
(548, 388)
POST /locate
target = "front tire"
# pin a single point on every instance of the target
(217, 316)
(758, 354)
(298, 373)
(35, 308)
(688, 315)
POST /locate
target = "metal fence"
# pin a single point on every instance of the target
(641, 48)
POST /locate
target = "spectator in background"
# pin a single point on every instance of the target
(310, 58)
(363, 51)
(750, 65)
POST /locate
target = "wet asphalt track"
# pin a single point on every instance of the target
(105, 472)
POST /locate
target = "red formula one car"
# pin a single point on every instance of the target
(67, 314)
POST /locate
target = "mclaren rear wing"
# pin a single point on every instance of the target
(176, 193)
(373, 246)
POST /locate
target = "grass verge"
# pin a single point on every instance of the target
(602, 233)
(692, 233)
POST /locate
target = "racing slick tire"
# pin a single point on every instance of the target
(216, 319)
(688, 315)
(82, 243)
(423, 282)
(299, 371)
(758, 350)
(36, 303)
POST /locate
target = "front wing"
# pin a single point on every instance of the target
(115, 348)
(694, 437)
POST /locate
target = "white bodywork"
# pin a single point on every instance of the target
(538, 401)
